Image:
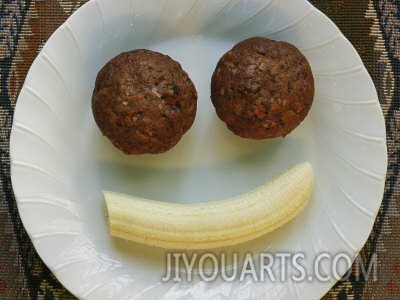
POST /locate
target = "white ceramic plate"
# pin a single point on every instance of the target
(60, 162)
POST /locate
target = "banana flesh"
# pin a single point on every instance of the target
(214, 224)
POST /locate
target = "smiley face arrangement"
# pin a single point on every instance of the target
(144, 102)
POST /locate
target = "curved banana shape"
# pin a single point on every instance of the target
(213, 224)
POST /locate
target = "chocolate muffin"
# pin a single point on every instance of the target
(262, 88)
(143, 102)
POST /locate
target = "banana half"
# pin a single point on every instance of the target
(213, 224)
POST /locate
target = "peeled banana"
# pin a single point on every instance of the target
(213, 224)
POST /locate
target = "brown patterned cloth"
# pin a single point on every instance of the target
(373, 26)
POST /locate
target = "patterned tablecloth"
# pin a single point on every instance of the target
(373, 27)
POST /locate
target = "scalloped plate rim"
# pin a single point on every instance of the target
(13, 162)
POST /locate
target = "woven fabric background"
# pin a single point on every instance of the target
(373, 26)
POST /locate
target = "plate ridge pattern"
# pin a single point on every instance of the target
(371, 174)
(358, 135)
(55, 233)
(338, 231)
(193, 8)
(100, 11)
(49, 61)
(366, 102)
(36, 168)
(36, 134)
(64, 203)
(339, 72)
(75, 39)
(330, 40)
(153, 31)
(263, 7)
(34, 93)
(359, 207)
(292, 24)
